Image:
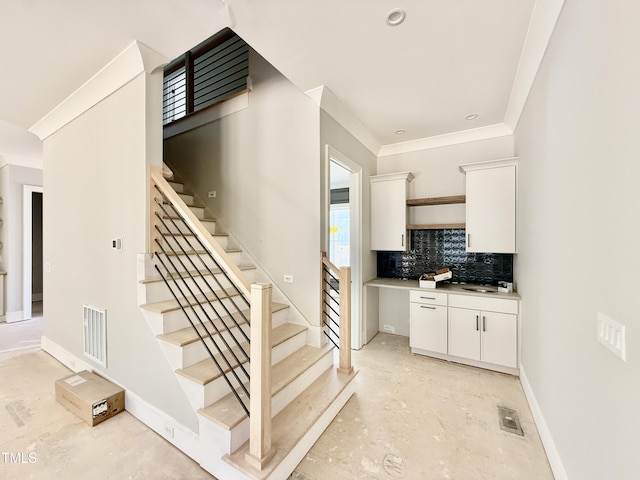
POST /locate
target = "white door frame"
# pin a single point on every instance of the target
(27, 239)
(355, 253)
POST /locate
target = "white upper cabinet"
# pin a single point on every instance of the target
(491, 206)
(389, 211)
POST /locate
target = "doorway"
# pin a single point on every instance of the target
(343, 228)
(32, 288)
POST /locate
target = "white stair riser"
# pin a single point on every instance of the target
(205, 395)
(197, 211)
(186, 198)
(175, 319)
(172, 321)
(182, 357)
(176, 226)
(158, 291)
(190, 242)
(194, 352)
(240, 433)
(178, 187)
(198, 260)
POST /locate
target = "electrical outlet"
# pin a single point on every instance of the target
(389, 328)
(612, 335)
(212, 194)
(288, 278)
(168, 431)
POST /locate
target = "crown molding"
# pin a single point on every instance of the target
(135, 60)
(541, 26)
(464, 136)
(328, 102)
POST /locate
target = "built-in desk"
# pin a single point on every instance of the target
(452, 322)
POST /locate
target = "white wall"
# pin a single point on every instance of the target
(578, 145)
(12, 180)
(264, 164)
(436, 175)
(95, 176)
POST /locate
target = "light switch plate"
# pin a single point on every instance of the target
(611, 334)
(288, 278)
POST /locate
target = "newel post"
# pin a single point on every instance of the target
(260, 451)
(345, 320)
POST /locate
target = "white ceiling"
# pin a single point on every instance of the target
(448, 59)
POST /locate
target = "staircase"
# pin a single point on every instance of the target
(295, 388)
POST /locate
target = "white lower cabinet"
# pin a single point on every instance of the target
(428, 321)
(490, 337)
(481, 331)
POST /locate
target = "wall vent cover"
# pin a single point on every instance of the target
(95, 334)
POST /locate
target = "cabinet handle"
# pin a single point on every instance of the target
(469, 240)
(484, 323)
(428, 298)
(426, 306)
(403, 239)
(477, 322)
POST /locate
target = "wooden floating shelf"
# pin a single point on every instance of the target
(436, 226)
(417, 202)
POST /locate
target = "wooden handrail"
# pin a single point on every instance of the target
(213, 247)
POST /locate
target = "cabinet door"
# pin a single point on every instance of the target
(428, 324)
(491, 210)
(499, 339)
(389, 214)
(464, 333)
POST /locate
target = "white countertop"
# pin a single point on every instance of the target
(444, 288)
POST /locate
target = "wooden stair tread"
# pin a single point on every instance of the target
(290, 425)
(195, 273)
(205, 371)
(186, 336)
(228, 413)
(172, 305)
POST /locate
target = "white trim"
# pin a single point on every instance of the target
(183, 438)
(136, 59)
(327, 101)
(505, 162)
(543, 21)
(464, 136)
(543, 430)
(16, 316)
(355, 253)
(27, 239)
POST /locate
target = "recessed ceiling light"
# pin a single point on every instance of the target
(471, 116)
(395, 17)
(400, 131)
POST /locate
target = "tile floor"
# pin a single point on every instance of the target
(412, 417)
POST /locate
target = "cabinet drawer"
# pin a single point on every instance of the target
(427, 296)
(489, 304)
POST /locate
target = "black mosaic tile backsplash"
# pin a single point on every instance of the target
(434, 249)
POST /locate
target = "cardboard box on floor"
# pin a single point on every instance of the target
(90, 397)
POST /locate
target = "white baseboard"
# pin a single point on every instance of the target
(17, 316)
(543, 430)
(175, 433)
(64, 356)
